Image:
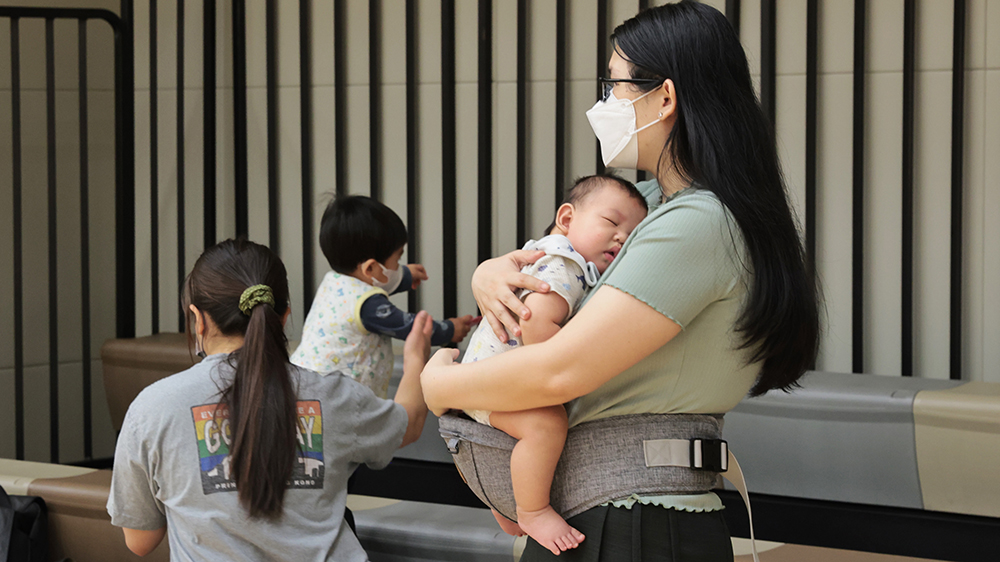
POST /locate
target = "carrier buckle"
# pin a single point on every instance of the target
(710, 454)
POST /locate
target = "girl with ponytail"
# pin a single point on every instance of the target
(246, 456)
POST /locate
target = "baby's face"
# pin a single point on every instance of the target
(602, 222)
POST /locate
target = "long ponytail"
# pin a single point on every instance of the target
(261, 398)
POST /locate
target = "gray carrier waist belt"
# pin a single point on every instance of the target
(602, 460)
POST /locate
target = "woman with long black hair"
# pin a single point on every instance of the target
(709, 299)
(246, 456)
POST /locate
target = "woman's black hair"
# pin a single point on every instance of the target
(356, 228)
(722, 141)
(261, 398)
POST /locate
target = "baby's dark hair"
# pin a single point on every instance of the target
(583, 187)
(356, 228)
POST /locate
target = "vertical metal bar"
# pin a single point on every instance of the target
(340, 95)
(858, 193)
(15, 91)
(180, 157)
(640, 175)
(602, 63)
(449, 211)
(375, 97)
(272, 124)
(560, 102)
(305, 118)
(522, 121)
(733, 14)
(812, 75)
(88, 442)
(957, 160)
(240, 118)
(768, 58)
(412, 139)
(154, 174)
(485, 130)
(50, 98)
(208, 75)
(125, 274)
(909, 75)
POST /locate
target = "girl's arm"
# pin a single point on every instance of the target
(609, 335)
(409, 394)
(142, 542)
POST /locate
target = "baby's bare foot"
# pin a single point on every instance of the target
(549, 529)
(508, 526)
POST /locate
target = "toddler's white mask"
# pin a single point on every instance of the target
(393, 278)
(613, 122)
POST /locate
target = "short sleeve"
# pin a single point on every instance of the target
(379, 427)
(564, 277)
(132, 502)
(682, 260)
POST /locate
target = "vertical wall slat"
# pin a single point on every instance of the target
(733, 14)
(957, 186)
(412, 136)
(208, 133)
(271, 37)
(88, 442)
(154, 174)
(560, 110)
(768, 58)
(602, 65)
(449, 211)
(50, 104)
(812, 75)
(241, 184)
(15, 81)
(909, 75)
(375, 97)
(340, 96)
(485, 131)
(306, 125)
(640, 175)
(522, 122)
(858, 191)
(125, 273)
(181, 211)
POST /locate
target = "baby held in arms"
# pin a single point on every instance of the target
(590, 227)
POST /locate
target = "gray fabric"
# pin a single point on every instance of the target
(171, 467)
(603, 460)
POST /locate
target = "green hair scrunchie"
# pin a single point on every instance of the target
(258, 294)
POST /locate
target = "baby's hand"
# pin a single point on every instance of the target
(418, 273)
(462, 326)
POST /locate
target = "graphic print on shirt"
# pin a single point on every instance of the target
(214, 434)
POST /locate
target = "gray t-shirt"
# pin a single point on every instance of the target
(172, 467)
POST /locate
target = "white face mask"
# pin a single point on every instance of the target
(613, 122)
(393, 278)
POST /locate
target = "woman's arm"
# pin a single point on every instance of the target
(143, 542)
(409, 394)
(493, 286)
(613, 332)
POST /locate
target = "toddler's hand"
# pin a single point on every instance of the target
(418, 273)
(462, 325)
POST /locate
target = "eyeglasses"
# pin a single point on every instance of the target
(607, 84)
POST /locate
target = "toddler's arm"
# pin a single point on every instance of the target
(548, 312)
(380, 316)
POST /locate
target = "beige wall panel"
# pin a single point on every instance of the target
(68, 225)
(541, 156)
(505, 146)
(71, 412)
(8, 424)
(324, 144)
(32, 34)
(288, 43)
(974, 246)
(883, 222)
(467, 41)
(393, 141)
(358, 143)
(541, 55)
(581, 47)
(975, 34)
(429, 174)
(750, 35)
(791, 134)
(223, 43)
(931, 224)
(257, 171)
(836, 32)
(357, 42)
(581, 144)
(143, 254)
(103, 307)
(429, 42)
(394, 42)
(991, 230)
(6, 249)
(618, 12)
(833, 210)
(935, 34)
(791, 36)
(505, 41)
(36, 413)
(290, 204)
(467, 193)
(193, 44)
(992, 35)
(884, 37)
(5, 76)
(166, 42)
(194, 165)
(102, 432)
(225, 194)
(169, 284)
(322, 39)
(256, 46)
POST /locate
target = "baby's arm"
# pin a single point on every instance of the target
(548, 312)
(380, 316)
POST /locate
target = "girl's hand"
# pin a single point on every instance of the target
(417, 347)
(493, 286)
(443, 359)
(418, 272)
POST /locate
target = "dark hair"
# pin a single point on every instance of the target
(261, 398)
(356, 228)
(722, 141)
(583, 187)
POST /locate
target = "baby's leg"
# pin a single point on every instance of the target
(508, 526)
(541, 434)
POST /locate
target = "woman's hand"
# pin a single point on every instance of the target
(493, 286)
(443, 359)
